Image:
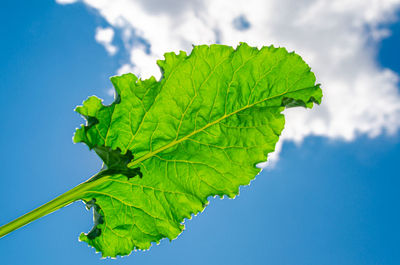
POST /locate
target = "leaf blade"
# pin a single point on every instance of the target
(196, 133)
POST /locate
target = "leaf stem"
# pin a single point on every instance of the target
(53, 205)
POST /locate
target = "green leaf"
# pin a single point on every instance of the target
(169, 145)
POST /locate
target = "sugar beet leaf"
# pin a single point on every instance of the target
(169, 145)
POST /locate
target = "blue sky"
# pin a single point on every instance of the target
(325, 201)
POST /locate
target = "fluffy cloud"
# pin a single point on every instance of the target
(105, 36)
(65, 2)
(337, 38)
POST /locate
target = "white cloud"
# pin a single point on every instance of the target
(66, 2)
(338, 38)
(105, 36)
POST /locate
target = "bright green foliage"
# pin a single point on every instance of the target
(198, 132)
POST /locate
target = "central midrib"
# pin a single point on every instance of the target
(148, 155)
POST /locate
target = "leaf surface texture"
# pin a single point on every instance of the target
(169, 145)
